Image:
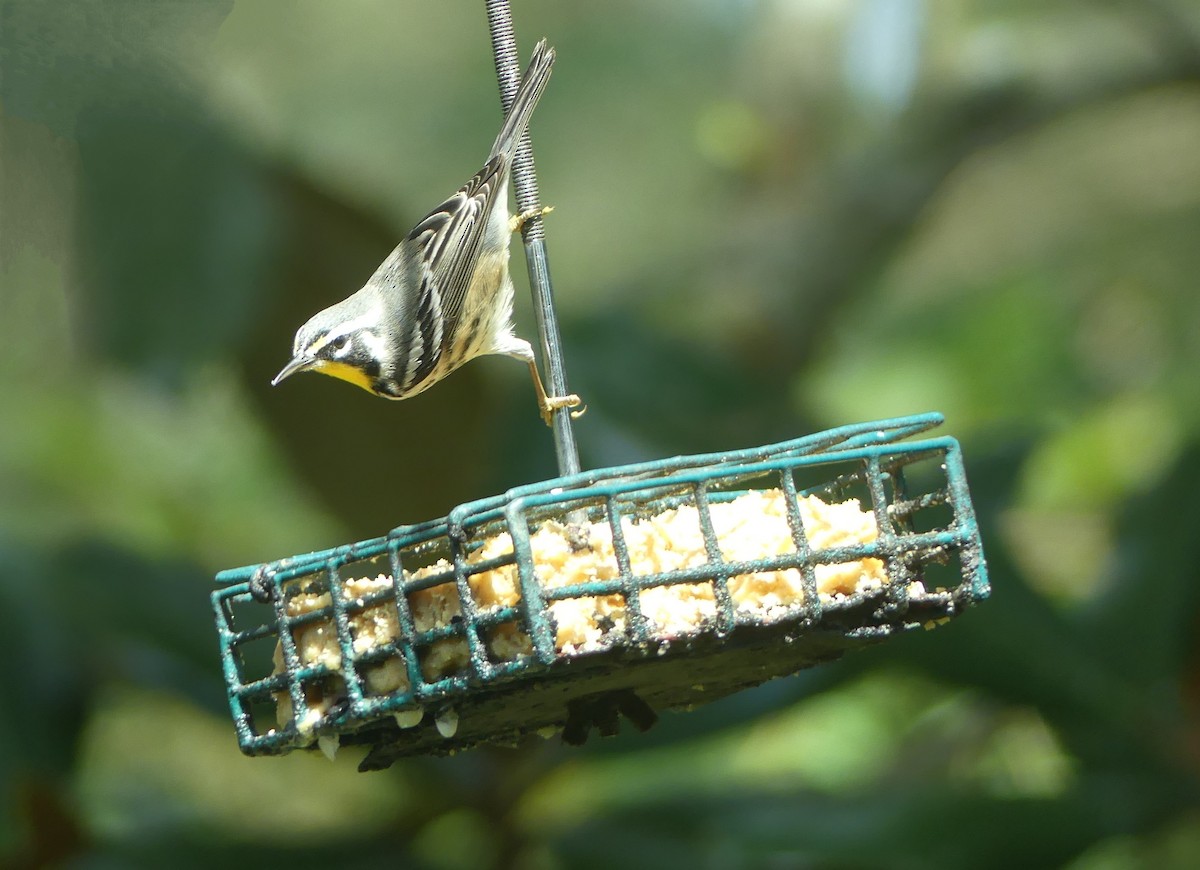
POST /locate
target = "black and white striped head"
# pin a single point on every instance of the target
(347, 341)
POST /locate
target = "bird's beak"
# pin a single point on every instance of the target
(298, 364)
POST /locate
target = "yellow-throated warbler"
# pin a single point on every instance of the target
(443, 296)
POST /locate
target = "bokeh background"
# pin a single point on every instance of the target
(773, 216)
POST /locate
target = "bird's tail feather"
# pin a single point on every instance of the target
(533, 83)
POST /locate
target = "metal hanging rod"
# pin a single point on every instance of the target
(533, 234)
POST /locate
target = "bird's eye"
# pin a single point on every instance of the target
(339, 344)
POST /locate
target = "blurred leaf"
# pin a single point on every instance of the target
(908, 827)
(173, 272)
(151, 766)
(1146, 623)
(51, 689)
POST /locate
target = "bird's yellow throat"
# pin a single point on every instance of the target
(344, 372)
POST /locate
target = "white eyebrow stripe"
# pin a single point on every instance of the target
(369, 319)
(363, 320)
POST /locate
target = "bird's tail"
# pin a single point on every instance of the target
(533, 83)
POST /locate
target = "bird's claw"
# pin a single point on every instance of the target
(517, 222)
(555, 403)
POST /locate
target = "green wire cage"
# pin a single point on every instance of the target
(332, 645)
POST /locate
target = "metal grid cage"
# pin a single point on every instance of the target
(376, 681)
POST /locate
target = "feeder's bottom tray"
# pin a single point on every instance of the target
(576, 693)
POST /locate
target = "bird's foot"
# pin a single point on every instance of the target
(554, 403)
(517, 222)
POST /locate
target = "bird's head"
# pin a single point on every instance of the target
(344, 341)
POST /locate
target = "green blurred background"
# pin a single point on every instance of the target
(773, 216)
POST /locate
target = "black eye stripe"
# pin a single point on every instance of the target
(337, 343)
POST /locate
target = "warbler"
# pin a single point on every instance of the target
(444, 295)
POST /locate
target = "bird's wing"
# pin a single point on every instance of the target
(449, 241)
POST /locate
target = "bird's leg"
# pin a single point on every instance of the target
(549, 404)
(517, 222)
(520, 349)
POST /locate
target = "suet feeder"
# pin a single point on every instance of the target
(562, 606)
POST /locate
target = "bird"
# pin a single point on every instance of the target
(444, 295)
